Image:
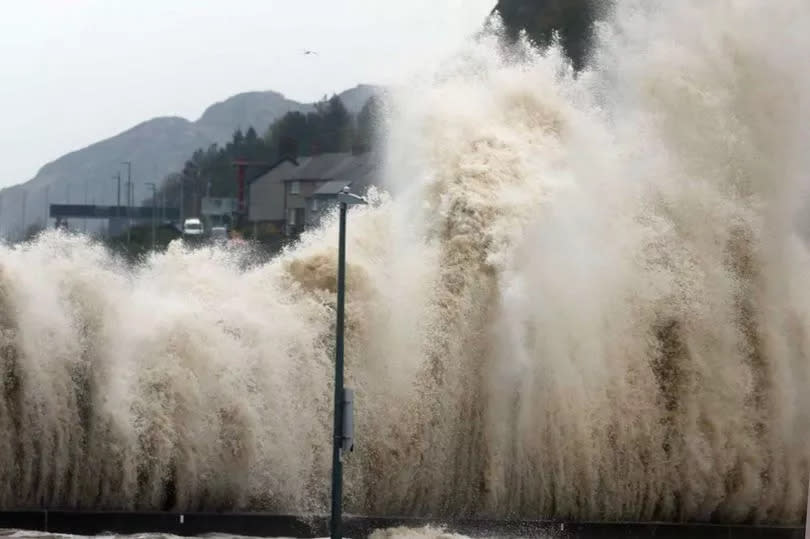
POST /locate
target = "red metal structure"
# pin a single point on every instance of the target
(241, 169)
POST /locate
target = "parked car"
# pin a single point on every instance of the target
(192, 227)
(219, 234)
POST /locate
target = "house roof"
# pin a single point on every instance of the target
(254, 173)
(341, 167)
(331, 188)
(365, 170)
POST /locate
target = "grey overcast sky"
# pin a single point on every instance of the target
(78, 71)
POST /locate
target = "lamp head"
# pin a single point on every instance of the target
(350, 199)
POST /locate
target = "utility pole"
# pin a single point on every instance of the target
(806, 521)
(117, 226)
(154, 210)
(129, 171)
(343, 416)
(182, 196)
(118, 198)
(129, 186)
(127, 211)
(67, 198)
(24, 200)
(84, 225)
(47, 204)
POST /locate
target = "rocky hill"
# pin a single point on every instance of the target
(258, 109)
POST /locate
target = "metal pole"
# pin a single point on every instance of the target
(129, 170)
(117, 226)
(118, 205)
(154, 211)
(24, 203)
(194, 192)
(128, 213)
(67, 196)
(807, 516)
(129, 188)
(84, 224)
(337, 464)
(182, 197)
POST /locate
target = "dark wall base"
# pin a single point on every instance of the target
(264, 525)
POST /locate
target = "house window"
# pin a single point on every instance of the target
(295, 188)
(314, 204)
(291, 216)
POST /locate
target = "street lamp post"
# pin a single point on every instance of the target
(47, 204)
(343, 419)
(118, 218)
(807, 518)
(24, 204)
(154, 210)
(117, 178)
(182, 197)
(84, 225)
(129, 187)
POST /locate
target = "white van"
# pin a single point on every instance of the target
(193, 227)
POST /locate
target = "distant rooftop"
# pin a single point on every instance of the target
(331, 188)
(359, 170)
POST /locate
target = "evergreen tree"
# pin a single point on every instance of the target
(291, 135)
(369, 123)
(250, 137)
(238, 138)
(337, 127)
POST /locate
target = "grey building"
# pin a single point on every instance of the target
(294, 193)
(265, 196)
(364, 173)
(217, 211)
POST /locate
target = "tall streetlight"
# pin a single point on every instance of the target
(129, 170)
(118, 219)
(182, 197)
(190, 164)
(24, 203)
(117, 177)
(47, 204)
(154, 210)
(129, 187)
(343, 420)
(67, 196)
(84, 225)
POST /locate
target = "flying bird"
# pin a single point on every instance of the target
(310, 52)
